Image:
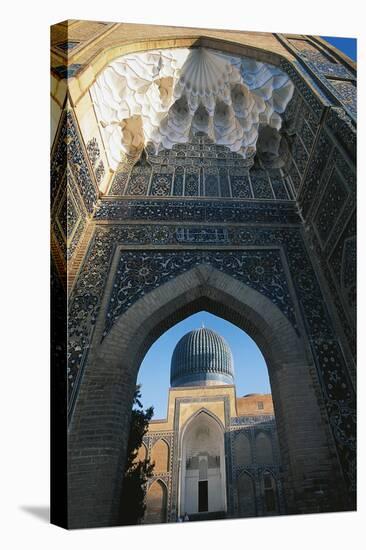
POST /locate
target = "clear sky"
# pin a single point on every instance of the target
(346, 45)
(251, 375)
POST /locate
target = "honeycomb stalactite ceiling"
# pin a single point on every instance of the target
(163, 97)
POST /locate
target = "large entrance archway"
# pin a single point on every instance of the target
(109, 379)
(264, 239)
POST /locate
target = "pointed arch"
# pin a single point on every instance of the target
(246, 495)
(203, 416)
(202, 410)
(269, 490)
(160, 456)
(156, 503)
(113, 364)
(202, 448)
(200, 288)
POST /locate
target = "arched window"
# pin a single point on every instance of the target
(264, 449)
(160, 455)
(269, 493)
(246, 496)
(242, 450)
(156, 503)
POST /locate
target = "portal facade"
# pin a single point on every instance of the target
(201, 170)
(216, 455)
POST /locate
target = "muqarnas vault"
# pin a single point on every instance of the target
(191, 170)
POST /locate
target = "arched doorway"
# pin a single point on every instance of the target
(202, 476)
(116, 360)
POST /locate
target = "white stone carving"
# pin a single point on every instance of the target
(166, 96)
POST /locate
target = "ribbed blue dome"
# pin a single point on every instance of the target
(201, 357)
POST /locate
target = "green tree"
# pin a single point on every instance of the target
(137, 472)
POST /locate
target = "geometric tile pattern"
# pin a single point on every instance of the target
(199, 168)
(332, 202)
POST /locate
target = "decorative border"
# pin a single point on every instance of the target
(318, 68)
(227, 211)
(138, 272)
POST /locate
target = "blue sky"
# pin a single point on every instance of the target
(251, 375)
(346, 45)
